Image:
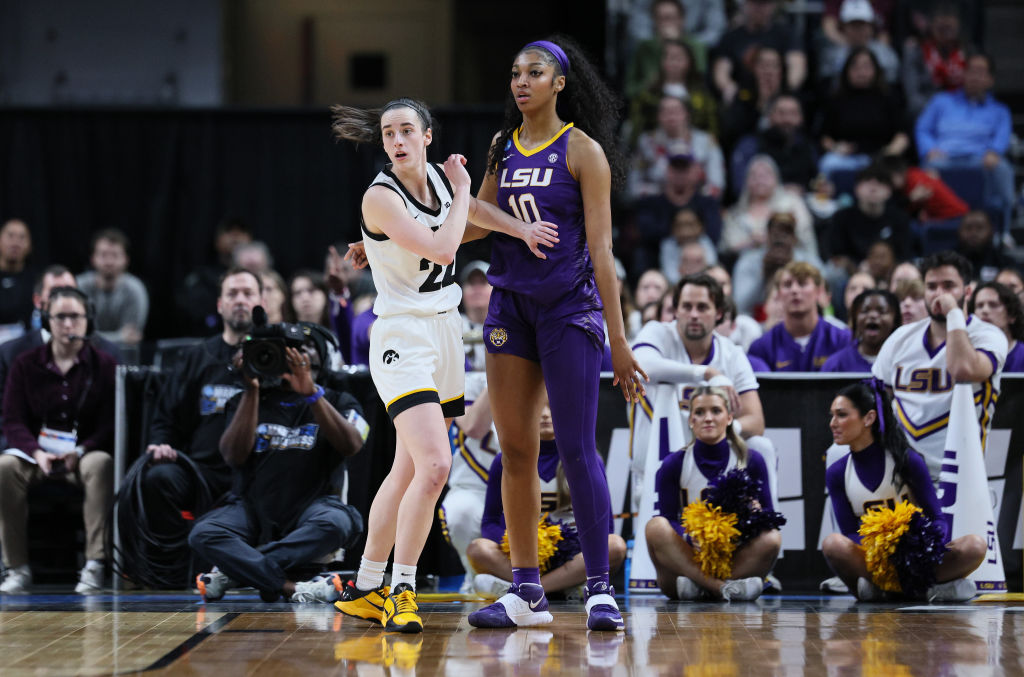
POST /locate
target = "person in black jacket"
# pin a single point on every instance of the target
(286, 439)
(189, 416)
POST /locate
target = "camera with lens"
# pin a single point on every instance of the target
(263, 351)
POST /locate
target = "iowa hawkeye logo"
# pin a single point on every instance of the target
(390, 356)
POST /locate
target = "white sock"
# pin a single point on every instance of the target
(403, 573)
(371, 574)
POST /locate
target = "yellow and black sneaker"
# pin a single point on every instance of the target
(368, 605)
(400, 610)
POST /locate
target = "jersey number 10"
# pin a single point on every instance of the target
(520, 211)
(433, 283)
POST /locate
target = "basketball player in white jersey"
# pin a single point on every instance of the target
(922, 361)
(414, 218)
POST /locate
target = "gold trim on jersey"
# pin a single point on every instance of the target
(413, 392)
(451, 399)
(986, 398)
(534, 151)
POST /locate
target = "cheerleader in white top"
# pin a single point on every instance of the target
(414, 216)
(680, 558)
(881, 478)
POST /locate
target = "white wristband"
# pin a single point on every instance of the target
(720, 380)
(955, 320)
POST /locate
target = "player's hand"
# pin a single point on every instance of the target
(628, 374)
(455, 170)
(943, 303)
(300, 374)
(537, 234)
(357, 255)
(161, 453)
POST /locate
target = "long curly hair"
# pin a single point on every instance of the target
(586, 101)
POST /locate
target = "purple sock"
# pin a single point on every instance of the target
(526, 575)
(573, 376)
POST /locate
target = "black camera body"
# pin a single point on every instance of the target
(263, 351)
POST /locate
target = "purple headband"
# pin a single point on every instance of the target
(876, 386)
(556, 51)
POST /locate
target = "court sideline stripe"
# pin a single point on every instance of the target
(189, 644)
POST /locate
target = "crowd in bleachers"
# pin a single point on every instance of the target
(872, 129)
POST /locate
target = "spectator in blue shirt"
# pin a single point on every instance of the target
(969, 127)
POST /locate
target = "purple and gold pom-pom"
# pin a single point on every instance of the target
(557, 543)
(881, 530)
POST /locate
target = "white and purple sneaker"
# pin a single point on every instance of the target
(523, 605)
(602, 611)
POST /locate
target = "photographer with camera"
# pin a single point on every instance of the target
(58, 416)
(183, 474)
(286, 437)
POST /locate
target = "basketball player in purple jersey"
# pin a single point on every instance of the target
(543, 328)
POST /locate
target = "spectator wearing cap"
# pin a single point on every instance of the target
(871, 218)
(882, 13)
(862, 117)
(759, 264)
(857, 27)
(746, 223)
(652, 216)
(784, 141)
(674, 137)
(476, 294)
(969, 128)
(756, 28)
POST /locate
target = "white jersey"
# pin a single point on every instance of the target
(663, 338)
(692, 481)
(472, 458)
(887, 495)
(923, 390)
(406, 282)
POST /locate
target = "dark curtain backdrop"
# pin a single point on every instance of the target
(166, 178)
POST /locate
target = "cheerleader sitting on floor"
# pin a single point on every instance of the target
(893, 539)
(716, 535)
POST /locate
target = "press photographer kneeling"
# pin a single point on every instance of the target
(285, 439)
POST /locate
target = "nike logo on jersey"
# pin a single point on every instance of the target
(506, 158)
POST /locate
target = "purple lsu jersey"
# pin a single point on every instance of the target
(538, 185)
(783, 353)
(1015, 359)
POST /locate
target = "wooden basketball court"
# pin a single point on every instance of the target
(777, 635)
